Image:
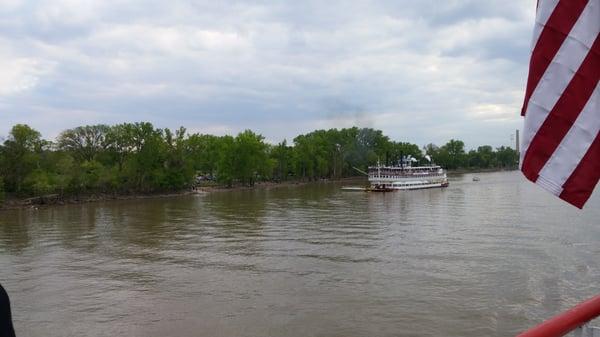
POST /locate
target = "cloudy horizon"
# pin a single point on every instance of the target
(422, 72)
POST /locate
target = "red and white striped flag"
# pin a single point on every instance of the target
(561, 144)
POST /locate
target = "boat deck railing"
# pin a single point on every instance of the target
(375, 175)
(575, 320)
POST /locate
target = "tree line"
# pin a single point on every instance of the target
(140, 158)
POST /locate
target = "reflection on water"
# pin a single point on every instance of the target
(486, 258)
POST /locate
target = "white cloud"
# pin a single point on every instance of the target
(169, 40)
(417, 74)
(20, 74)
(10, 5)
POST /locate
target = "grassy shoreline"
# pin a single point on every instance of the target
(12, 203)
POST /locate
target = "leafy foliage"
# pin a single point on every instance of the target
(84, 142)
(452, 156)
(139, 158)
(20, 157)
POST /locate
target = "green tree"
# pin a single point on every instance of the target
(453, 154)
(67, 174)
(225, 166)
(203, 151)
(474, 159)
(39, 182)
(507, 157)
(252, 160)
(144, 167)
(119, 143)
(487, 156)
(283, 157)
(399, 149)
(369, 146)
(84, 142)
(484, 157)
(21, 155)
(178, 167)
(431, 149)
(310, 155)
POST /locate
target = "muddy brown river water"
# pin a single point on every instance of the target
(487, 258)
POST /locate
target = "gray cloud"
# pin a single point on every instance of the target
(423, 71)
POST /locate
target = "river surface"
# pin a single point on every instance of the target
(487, 258)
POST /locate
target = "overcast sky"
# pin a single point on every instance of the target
(422, 71)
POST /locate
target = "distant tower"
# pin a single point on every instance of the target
(517, 148)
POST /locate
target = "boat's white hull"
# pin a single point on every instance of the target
(419, 187)
(408, 184)
(406, 177)
(396, 187)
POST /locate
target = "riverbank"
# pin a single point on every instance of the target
(266, 185)
(51, 200)
(479, 170)
(57, 200)
(54, 200)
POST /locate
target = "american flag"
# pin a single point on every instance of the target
(561, 144)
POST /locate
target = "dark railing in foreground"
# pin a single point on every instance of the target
(568, 321)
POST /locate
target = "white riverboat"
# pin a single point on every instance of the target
(406, 177)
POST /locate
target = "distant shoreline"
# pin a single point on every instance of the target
(55, 200)
(479, 170)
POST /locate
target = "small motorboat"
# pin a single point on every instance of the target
(476, 179)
